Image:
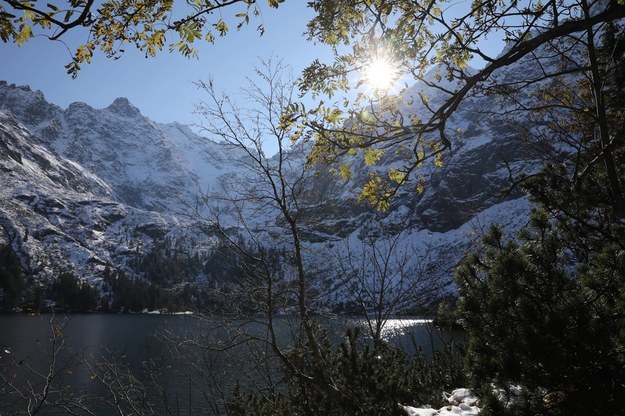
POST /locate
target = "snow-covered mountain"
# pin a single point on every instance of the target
(146, 165)
(85, 187)
(58, 216)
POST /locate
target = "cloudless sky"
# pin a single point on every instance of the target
(162, 87)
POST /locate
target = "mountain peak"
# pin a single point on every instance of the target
(123, 107)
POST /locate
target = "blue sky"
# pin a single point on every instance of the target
(162, 87)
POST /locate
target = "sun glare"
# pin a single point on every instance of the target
(380, 75)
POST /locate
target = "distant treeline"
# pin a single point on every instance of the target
(171, 279)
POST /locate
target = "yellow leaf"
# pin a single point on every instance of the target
(24, 34)
(397, 176)
(345, 172)
(372, 156)
(222, 27)
(438, 160)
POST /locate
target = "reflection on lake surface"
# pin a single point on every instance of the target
(183, 357)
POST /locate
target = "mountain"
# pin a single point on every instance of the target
(147, 165)
(84, 189)
(58, 216)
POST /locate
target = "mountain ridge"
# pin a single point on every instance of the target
(120, 183)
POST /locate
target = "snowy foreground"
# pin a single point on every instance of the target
(461, 402)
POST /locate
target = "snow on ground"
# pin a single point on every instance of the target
(461, 402)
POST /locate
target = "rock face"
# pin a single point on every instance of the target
(59, 216)
(471, 181)
(85, 187)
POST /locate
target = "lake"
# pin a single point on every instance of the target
(181, 362)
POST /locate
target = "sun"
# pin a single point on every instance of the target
(380, 74)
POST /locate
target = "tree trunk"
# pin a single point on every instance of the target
(618, 201)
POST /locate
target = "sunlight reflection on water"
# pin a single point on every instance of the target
(410, 334)
(398, 327)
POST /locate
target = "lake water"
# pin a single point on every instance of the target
(188, 357)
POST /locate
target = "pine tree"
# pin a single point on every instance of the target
(535, 323)
(545, 309)
(11, 279)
